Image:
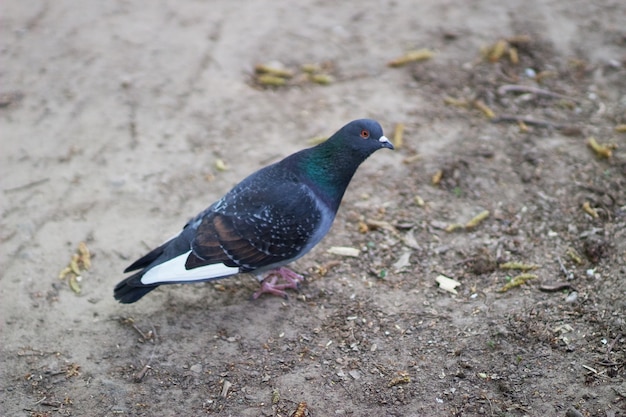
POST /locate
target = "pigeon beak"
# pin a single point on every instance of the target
(385, 143)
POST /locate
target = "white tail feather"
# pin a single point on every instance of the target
(174, 271)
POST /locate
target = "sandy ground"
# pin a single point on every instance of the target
(116, 117)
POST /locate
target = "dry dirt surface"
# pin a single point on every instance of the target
(120, 120)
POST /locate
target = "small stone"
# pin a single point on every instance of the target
(197, 368)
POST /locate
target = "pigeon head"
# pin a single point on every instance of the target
(329, 166)
(363, 136)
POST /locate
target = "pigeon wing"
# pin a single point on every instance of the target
(255, 227)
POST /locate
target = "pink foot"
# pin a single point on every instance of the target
(269, 283)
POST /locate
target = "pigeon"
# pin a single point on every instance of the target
(268, 220)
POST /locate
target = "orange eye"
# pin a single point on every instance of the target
(365, 134)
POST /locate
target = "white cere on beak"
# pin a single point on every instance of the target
(383, 139)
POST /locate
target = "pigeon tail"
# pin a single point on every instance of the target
(131, 289)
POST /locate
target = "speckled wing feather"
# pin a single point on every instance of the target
(257, 225)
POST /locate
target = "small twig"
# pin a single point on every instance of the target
(530, 89)
(569, 275)
(559, 286)
(563, 269)
(609, 348)
(154, 334)
(464, 261)
(34, 352)
(589, 368)
(27, 186)
(56, 404)
(225, 388)
(144, 370)
(482, 400)
(607, 364)
(139, 375)
(527, 120)
(142, 334)
(43, 399)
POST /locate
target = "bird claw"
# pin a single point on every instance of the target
(269, 283)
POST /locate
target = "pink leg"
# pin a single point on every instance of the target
(269, 283)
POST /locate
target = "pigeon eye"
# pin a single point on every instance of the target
(365, 134)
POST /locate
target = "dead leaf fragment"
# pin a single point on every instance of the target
(74, 264)
(480, 105)
(72, 370)
(84, 256)
(437, 176)
(270, 80)
(574, 256)
(322, 79)
(447, 284)
(412, 158)
(497, 50)
(398, 133)
(275, 396)
(409, 240)
(505, 47)
(403, 261)
(518, 266)
(517, 281)
(381, 224)
(451, 101)
(411, 56)
(300, 410)
(602, 151)
(80, 261)
(310, 68)
(344, 251)
(73, 282)
(220, 165)
(403, 378)
(523, 127)
(454, 227)
(64, 272)
(513, 56)
(477, 219)
(273, 70)
(590, 210)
